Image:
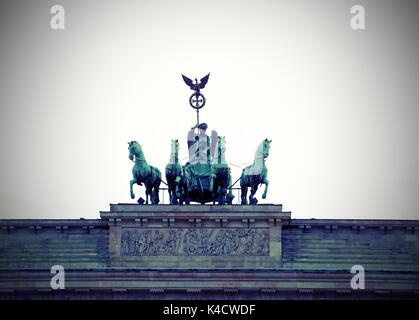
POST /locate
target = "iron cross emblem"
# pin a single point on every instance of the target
(197, 99)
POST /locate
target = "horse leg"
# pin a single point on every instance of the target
(186, 197)
(217, 194)
(169, 189)
(214, 192)
(214, 197)
(179, 189)
(266, 182)
(172, 193)
(244, 194)
(175, 191)
(131, 183)
(229, 194)
(147, 192)
(253, 190)
(179, 193)
(222, 195)
(173, 197)
(226, 184)
(155, 187)
(212, 178)
(155, 195)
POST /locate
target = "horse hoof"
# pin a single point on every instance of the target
(230, 198)
(263, 196)
(132, 196)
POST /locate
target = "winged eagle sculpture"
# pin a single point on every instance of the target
(196, 86)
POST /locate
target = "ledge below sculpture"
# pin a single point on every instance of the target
(195, 236)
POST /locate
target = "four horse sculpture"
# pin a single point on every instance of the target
(142, 172)
(255, 174)
(220, 176)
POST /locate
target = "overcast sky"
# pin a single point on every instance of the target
(341, 106)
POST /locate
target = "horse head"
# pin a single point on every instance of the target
(221, 142)
(266, 147)
(174, 146)
(219, 152)
(134, 149)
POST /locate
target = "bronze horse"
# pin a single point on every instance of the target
(174, 173)
(142, 172)
(221, 175)
(255, 174)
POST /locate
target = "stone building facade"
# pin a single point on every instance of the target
(208, 252)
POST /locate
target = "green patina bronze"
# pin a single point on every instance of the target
(255, 174)
(221, 174)
(206, 177)
(142, 172)
(174, 174)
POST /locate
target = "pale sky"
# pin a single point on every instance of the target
(341, 106)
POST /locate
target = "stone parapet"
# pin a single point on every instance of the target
(195, 236)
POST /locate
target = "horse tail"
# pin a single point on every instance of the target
(155, 176)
